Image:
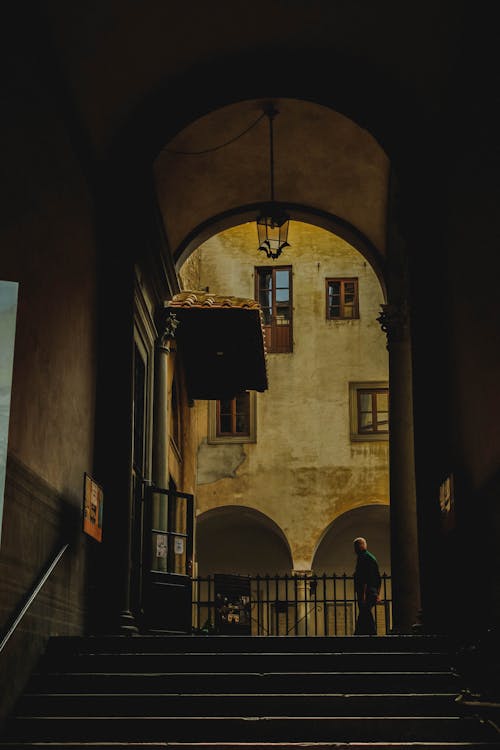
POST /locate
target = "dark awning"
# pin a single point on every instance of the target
(221, 342)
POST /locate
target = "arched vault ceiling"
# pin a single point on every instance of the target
(116, 55)
(323, 161)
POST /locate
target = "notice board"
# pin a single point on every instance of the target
(232, 604)
(93, 501)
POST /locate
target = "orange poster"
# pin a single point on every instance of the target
(92, 508)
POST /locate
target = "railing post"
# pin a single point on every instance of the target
(287, 603)
(268, 605)
(325, 606)
(259, 607)
(301, 588)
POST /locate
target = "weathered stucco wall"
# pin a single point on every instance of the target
(303, 471)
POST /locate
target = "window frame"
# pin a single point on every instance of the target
(271, 348)
(215, 437)
(342, 280)
(233, 414)
(355, 389)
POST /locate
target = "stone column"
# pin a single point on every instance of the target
(405, 571)
(164, 355)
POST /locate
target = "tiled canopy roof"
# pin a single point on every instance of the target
(221, 339)
(204, 299)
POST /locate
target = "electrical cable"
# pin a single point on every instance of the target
(221, 145)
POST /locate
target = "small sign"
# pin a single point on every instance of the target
(161, 545)
(446, 495)
(179, 545)
(92, 508)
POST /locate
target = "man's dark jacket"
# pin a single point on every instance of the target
(367, 572)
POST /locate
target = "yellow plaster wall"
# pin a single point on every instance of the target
(303, 471)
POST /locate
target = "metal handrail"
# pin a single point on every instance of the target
(31, 597)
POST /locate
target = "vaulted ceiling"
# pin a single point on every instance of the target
(325, 164)
(360, 88)
(118, 56)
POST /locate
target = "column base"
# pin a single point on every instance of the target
(418, 626)
(127, 624)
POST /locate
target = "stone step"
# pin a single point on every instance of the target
(247, 682)
(137, 728)
(255, 662)
(248, 644)
(247, 693)
(188, 704)
(453, 745)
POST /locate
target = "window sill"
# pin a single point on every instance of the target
(375, 438)
(230, 440)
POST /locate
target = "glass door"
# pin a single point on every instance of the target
(168, 562)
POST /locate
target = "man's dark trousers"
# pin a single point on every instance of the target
(365, 624)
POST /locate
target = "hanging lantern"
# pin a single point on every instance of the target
(272, 228)
(272, 224)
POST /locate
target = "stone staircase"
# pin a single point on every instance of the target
(247, 693)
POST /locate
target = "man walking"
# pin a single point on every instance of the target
(367, 582)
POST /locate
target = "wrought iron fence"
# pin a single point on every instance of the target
(316, 605)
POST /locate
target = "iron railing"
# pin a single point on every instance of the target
(291, 605)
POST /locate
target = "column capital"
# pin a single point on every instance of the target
(167, 326)
(394, 321)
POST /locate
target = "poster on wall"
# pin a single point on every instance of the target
(93, 501)
(447, 502)
(232, 604)
(8, 312)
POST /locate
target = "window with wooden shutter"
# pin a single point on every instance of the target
(369, 410)
(274, 293)
(342, 301)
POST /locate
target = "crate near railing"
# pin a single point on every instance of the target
(314, 605)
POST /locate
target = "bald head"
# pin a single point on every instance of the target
(360, 544)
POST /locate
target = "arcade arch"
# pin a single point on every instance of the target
(334, 552)
(239, 539)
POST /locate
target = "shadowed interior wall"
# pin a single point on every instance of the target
(47, 246)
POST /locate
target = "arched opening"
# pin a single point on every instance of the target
(334, 552)
(215, 173)
(240, 540)
(322, 446)
(316, 449)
